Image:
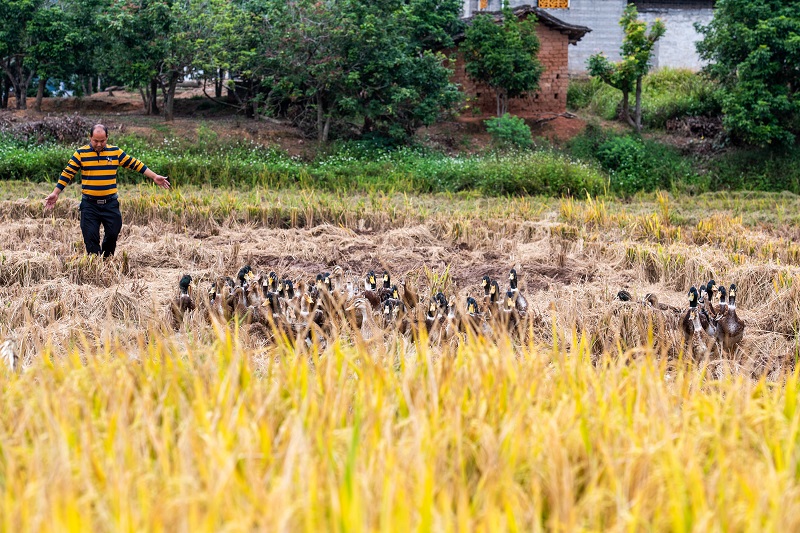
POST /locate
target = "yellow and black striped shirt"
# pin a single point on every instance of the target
(98, 171)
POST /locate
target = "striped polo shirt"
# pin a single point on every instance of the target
(98, 172)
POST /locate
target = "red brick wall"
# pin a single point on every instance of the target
(551, 96)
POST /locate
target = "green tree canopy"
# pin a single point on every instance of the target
(636, 51)
(753, 50)
(504, 56)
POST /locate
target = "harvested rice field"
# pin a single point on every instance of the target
(580, 410)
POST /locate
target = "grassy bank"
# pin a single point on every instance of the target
(349, 168)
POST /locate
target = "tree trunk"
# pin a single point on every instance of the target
(320, 118)
(145, 98)
(626, 108)
(3, 91)
(218, 83)
(326, 129)
(153, 109)
(99, 86)
(169, 96)
(40, 94)
(638, 109)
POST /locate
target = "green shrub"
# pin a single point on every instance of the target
(635, 164)
(509, 131)
(666, 93)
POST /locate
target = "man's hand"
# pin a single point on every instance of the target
(50, 201)
(161, 181)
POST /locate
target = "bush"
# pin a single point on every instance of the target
(509, 131)
(666, 93)
(635, 164)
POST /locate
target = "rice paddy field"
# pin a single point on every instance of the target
(593, 417)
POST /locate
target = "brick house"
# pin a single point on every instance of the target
(555, 36)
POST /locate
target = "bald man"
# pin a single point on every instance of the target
(98, 163)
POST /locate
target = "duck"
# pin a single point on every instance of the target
(9, 355)
(473, 321)
(240, 276)
(651, 299)
(385, 291)
(183, 302)
(218, 307)
(486, 284)
(364, 318)
(509, 317)
(711, 292)
(272, 282)
(730, 326)
(695, 334)
(687, 322)
(409, 296)
(494, 304)
(722, 306)
(702, 343)
(371, 289)
(519, 300)
(623, 296)
(394, 316)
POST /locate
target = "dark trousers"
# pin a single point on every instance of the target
(92, 216)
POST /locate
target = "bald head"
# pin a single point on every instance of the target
(98, 137)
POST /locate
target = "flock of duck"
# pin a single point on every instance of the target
(710, 323)
(317, 308)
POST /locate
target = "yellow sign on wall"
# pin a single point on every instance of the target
(552, 4)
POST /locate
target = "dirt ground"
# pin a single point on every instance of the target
(124, 111)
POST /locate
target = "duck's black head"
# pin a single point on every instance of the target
(693, 297)
(624, 296)
(441, 301)
(711, 288)
(186, 280)
(494, 291)
(472, 305)
(271, 301)
(511, 302)
(395, 292)
(732, 294)
(288, 289)
(272, 280)
(486, 283)
(723, 294)
(319, 282)
(242, 273)
(512, 279)
(371, 281)
(386, 282)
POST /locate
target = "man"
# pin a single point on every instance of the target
(98, 163)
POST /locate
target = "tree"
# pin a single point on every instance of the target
(154, 44)
(504, 56)
(753, 50)
(15, 44)
(52, 48)
(356, 63)
(636, 51)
